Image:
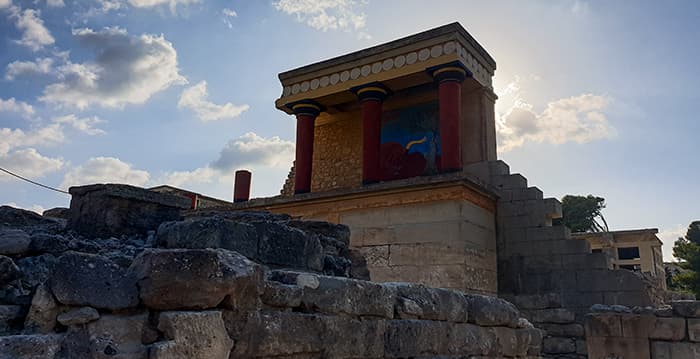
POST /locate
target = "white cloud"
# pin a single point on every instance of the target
(12, 105)
(5, 3)
(13, 138)
(34, 34)
(578, 119)
(126, 70)
(229, 12)
(195, 99)
(669, 236)
(85, 125)
(29, 163)
(37, 67)
(55, 3)
(251, 149)
(153, 3)
(248, 151)
(105, 170)
(325, 14)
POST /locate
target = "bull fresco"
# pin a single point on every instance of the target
(410, 141)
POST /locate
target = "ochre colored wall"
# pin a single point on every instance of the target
(337, 161)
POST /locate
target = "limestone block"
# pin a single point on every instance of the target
(41, 318)
(338, 295)
(608, 347)
(587, 261)
(448, 211)
(535, 301)
(196, 279)
(78, 316)
(352, 338)
(90, 280)
(192, 335)
(491, 311)
(674, 350)
(552, 315)
(524, 340)
(338, 232)
(599, 280)
(439, 276)
(520, 194)
(543, 263)
(562, 330)
(632, 298)
(535, 347)
(686, 308)
(694, 330)
(581, 347)
(603, 325)
(282, 295)
(554, 247)
(507, 341)
(377, 236)
(427, 253)
(498, 168)
(668, 329)
(548, 233)
(557, 345)
(30, 346)
(117, 335)
(511, 181)
(406, 338)
(14, 241)
(106, 210)
(435, 232)
(282, 334)
(414, 301)
(637, 326)
(581, 299)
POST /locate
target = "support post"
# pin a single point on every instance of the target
(371, 97)
(306, 113)
(449, 79)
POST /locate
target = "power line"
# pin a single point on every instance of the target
(32, 182)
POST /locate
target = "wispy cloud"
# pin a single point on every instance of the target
(325, 14)
(105, 170)
(36, 67)
(12, 105)
(195, 99)
(34, 34)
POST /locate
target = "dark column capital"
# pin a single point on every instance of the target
(306, 107)
(372, 91)
(453, 71)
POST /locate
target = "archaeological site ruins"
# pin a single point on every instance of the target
(398, 234)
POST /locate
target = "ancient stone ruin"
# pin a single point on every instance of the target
(398, 234)
(221, 285)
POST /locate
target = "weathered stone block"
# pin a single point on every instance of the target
(511, 181)
(8, 270)
(694, 330)
(686, 308)
(491, 311)
(552, 315)
(337, 295)
(414, 301)
(90, 280)
(557, 345)
(609, 347)
(10, 315)
(41, 318)
(603, 325)
(192, 335)
(406, 338)
(536, 301)
(196, 279)
(14, 241)
(30, 346)
(110, 210)
(117, 336)
(281, 334)
(338, 232)
(637, 326)
(563, 330)
(78, 316)
(668, 329)
(587, 261)
(674, 350)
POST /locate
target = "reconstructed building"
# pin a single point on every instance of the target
(398, 142)
(637, 250)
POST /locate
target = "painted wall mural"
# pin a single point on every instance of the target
(410, 141)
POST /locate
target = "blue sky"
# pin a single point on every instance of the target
(595, 96)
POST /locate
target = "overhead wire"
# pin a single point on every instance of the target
(33, 182)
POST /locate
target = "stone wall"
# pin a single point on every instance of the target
(222, 285)
(669, 332)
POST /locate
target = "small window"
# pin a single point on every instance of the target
(628, 253)
(596, 250)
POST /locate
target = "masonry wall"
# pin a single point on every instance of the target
(670, 332)
(337, 161)
(447, 244)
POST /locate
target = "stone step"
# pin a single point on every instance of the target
(562, 246)
(511, 181)
(548, 207)
(520, 194)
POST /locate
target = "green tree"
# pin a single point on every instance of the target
(687, 250)
(583, 213)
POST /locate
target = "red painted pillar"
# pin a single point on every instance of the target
(372, 97)
(306, 113)
(449, 80)
(241, 186)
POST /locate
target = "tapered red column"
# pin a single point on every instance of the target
(306, 116)
(372, 96)
(449, 80)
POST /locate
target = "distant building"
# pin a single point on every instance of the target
(636, 250)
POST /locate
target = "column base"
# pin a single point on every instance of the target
(301, 191)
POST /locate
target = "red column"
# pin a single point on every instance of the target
(372, 97)
(450, 97)
(306, 116)
(241, 186)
